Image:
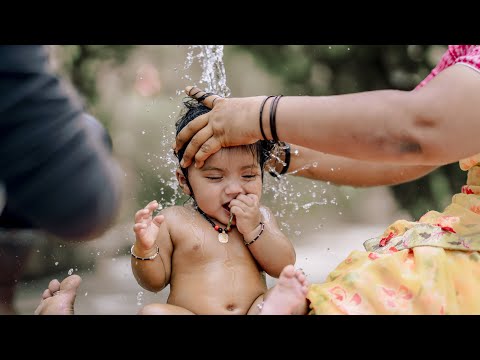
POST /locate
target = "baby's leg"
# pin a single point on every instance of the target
(58, 298)
(288, 296)
(256, 306)
(163, 309)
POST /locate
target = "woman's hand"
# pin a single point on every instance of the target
(231, 122)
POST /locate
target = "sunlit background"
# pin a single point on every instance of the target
(136, 91)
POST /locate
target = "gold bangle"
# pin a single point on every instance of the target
(147, 258)
(256, 237)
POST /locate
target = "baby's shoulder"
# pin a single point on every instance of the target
(265, 210)
(176, 214)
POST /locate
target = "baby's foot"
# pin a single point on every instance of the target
(288, 296)
(59, 298)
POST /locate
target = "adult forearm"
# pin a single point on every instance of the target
(351, 172)
(353, 125)
(433, 125)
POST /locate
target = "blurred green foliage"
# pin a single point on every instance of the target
(339, 69)
(307, 70)
(81, 63)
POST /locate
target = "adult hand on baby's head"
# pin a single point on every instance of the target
(246, 209)
(146, 226)
(231, 122)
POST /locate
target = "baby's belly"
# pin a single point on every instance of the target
(217, 289)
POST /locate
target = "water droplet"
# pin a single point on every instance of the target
(139, 298)
(70, 272)
(56, 263)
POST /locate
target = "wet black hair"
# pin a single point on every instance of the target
(193, 109)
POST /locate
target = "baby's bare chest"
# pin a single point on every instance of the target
(205, 244)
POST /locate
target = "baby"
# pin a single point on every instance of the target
(215, 252)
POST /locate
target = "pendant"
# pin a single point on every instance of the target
(223, 237)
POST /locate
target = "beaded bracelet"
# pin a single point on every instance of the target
(147, 258)
(256, 237)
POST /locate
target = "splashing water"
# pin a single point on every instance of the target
(213, 70)
(285, 196)
(213, 79)
(139, 298)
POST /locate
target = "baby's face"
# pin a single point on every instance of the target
(225, 175)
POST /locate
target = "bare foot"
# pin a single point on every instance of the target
(59, 298)
(288, 296)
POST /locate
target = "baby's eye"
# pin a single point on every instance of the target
(214, 177)
(252, 176)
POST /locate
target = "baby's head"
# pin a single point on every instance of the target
(193, 109)
(226, 174)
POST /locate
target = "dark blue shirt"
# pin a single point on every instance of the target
(55, 162)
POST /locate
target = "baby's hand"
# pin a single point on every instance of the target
(246, 209)
(146, 229)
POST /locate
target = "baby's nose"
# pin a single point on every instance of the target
(234, 187)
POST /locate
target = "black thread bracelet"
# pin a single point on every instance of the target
(261, 113)
(273, 114)
(256, 237)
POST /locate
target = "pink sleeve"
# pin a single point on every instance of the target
(468, 55)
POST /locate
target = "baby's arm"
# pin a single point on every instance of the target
(261, 234)
(272, 249)
(152, 241)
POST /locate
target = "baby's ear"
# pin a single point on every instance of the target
(182, 181)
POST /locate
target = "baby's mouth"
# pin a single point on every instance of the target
(226, 207)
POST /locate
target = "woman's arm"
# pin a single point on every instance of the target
(344, 171)
(434, 125)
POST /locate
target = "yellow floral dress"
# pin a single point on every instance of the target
(427, 267)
